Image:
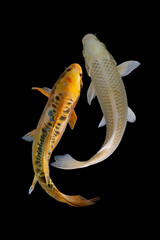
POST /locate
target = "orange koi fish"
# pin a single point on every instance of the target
(58, 111)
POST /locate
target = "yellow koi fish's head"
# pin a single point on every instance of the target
(70, 81)
(92, 49)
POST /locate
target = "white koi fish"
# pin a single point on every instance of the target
(108, 86)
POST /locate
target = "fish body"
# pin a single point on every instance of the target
(108, 86)
(58, 111)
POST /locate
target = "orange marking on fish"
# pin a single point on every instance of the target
(69, 79)
(58, 111)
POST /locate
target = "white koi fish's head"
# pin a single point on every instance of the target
(92, 48)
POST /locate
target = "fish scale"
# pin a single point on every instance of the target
(105, 76)
(58, 112)
(108, 86)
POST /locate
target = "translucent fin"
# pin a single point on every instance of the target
(66, 162)
(79, 201)
(45, 91)
(33, 185)
(29, 137)
(131, 116)
(127, 67)
(75, 201)
(30, 189)
(91, 94)
(102, 122)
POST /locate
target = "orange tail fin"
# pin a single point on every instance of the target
(76, 201)
(79, 201)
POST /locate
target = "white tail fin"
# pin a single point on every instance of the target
(67, 162)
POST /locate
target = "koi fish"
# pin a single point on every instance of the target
(58, 111)
(108, 86)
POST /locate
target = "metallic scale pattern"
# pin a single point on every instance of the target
(58, 111)
(108, 86)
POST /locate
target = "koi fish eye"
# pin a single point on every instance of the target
(81, 83)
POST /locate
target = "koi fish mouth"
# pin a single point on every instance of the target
(76, 67)
(88, 37)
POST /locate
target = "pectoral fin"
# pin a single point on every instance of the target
(45, 91)
(29, 137)
(131, 116)
(91, 93)
(102, 122)
(72, 120)
(127, 67)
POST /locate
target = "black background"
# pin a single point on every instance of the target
(44, 45)
(114, 180)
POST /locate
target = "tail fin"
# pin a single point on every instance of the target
(67, 162)
(76, 201)
(79, 201)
